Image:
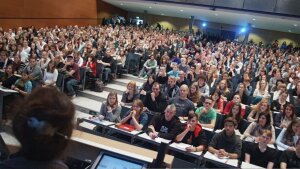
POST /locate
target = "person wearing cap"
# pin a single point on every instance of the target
(226, 144)
(72, 76)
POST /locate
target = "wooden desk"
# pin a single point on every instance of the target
(107, 143)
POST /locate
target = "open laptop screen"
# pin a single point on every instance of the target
(109, 160)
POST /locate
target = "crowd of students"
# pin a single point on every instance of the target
(188, 78)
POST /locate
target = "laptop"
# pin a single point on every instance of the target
(110, 160)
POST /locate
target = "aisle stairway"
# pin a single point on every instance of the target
(88, 102)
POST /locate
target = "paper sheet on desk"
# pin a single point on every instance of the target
(7, 90)
(183, 146)
(103, 122)
(158, 139)
(211, 156)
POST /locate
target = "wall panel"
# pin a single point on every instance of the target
(43, 12)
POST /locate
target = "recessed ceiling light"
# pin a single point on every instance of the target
(150, 7)
(181, 10)
(289, 30)
(295, 25)
(253, 19)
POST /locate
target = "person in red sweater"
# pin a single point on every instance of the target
(90, 64)
(236, 99)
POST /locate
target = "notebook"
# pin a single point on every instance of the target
(126, 127)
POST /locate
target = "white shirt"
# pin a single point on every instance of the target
(50, 77)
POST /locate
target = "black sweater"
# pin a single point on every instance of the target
(166, 129)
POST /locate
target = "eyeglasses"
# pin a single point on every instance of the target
(208, 103)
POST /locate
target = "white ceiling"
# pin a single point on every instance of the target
(239, 18)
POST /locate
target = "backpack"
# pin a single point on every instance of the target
(98, 86)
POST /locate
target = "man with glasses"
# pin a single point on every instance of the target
(226, 144)
(155, 101)
(259, 153)
(207, 115)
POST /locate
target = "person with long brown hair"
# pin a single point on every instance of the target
(283, 119)
(194, 94)
(110, 109)
(50, 74)
(9, 78)
(135, 116)
(288, 136)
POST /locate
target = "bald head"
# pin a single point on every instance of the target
(184, 91)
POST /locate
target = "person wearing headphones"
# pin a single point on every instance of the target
(43, 124)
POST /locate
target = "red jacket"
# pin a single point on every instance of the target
(228, 107)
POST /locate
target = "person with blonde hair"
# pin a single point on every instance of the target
(263, 107)
(130, 94)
